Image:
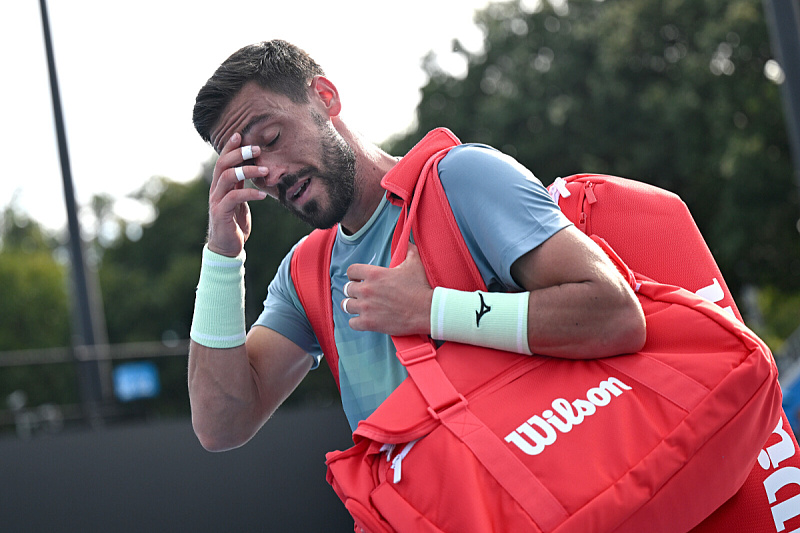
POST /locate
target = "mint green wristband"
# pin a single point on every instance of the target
(218, 320)
(489, 319)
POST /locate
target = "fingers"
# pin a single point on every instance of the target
(234, 154)
(368, 282)
(229, 167)
(229, 215)
(230, 173)
(248, 172)
(347, 302)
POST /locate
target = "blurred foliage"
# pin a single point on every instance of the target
(34, 311)
(672, 93)
(147, 273)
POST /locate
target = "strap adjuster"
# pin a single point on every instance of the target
(446, 410)
(418, 354)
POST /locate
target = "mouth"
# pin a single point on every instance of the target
(297, 192)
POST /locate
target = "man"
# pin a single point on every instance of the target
(275, 120)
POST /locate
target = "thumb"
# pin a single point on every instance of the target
(412, 252)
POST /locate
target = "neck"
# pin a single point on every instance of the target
(372, 164)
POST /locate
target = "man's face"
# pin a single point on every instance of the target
(311, 167)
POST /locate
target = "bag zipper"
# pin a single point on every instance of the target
(524, 366)
(397, 461)
(587, 199)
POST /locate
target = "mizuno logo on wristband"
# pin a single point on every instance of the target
(484, 309)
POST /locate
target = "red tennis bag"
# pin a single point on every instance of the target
(479, 440)
(653, 231)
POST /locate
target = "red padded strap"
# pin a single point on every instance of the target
(310, 270)
(659, 377)
(528, 490)
(402, 179)
(447, 262)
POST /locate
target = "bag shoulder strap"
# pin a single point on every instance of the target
(310, 269)
(428, 216)
(310, 264)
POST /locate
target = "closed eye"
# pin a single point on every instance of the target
(273, 141)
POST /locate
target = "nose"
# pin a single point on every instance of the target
(275, 172)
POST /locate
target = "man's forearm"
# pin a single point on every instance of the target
(585, 320)
(223, 396)
(234, 391)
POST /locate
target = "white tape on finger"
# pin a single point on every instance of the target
(344, 305)
(346, 288)
(239, 173)
(247, 152)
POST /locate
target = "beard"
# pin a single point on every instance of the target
(337, 175)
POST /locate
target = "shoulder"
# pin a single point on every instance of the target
(476, 175)
(476, 162)
(502, 210)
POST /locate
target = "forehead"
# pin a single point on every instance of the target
(251, 103)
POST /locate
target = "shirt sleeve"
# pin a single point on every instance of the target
(284, 313)
(502, 209)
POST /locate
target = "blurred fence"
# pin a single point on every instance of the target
(143, 380)
(52, 415)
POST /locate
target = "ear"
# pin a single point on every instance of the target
(323, 90)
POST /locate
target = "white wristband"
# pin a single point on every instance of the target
(218, 320)
(489, 319)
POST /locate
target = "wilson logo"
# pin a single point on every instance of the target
(533, 436)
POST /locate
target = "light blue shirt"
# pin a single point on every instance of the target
(503, 212)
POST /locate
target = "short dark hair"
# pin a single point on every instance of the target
(276, 65)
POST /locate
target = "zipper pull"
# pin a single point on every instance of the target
(388, 448)
(397, 462)
(589, 190)
(589, 198)
(397, 466)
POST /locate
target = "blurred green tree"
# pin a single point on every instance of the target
(671, 93)
(34, 311)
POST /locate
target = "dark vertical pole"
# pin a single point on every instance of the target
(85, 334)
(783, 20)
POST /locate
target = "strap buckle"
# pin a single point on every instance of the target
(446, 411)
(416, 354)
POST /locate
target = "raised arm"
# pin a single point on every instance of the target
(235, 383)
